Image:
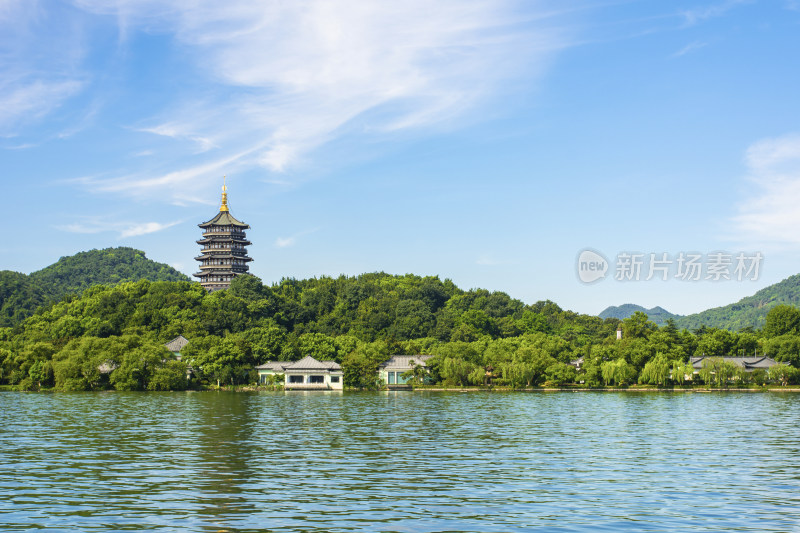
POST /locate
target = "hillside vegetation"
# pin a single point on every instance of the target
(21, 295)
(477, 337)
(749, 312)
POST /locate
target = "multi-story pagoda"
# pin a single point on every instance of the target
(224, 249)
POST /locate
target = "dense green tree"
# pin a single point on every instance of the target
(747, 344)
(717, 371)
(76, 367)
(618, 372)
(319, 346)
(457, 371)
(784, 374)
(360, 367)
(527, 366)
(681, 372)
(19, 297)
(137, 368)
(474, 324)
(249, 288)
(657, 371)
(413, 319)
(227, 362)
(169, 376)
(266, 342)
(532, 322)
(637, 326)
(717, 343)
(41, 374)
(782, 320)
(784, 348)
(560, 373)
(670, 329)
(519, 374)
(591, 373)
(637, 351)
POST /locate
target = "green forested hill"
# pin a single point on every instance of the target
(75, 273)
(476, 336)
(658, 315)
(20, 295)
(358, 321)
(747, 312)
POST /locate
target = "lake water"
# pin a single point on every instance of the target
(400, 461)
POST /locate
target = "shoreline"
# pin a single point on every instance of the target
(452, 389)
(595, 389)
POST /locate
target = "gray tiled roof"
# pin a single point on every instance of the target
(177, 344)
(276, 366)
(309, 363)
(404, 361)
(748, 363)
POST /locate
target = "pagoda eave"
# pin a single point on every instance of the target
(243, 242)
(223, 256)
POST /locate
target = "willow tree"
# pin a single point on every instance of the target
(656, 371)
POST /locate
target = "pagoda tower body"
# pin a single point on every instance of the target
(224, 245)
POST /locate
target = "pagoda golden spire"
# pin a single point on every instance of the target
(224, 206)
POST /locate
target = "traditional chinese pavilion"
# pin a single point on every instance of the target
(224, 249)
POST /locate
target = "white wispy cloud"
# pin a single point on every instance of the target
(281, 79)
(83, 227)
(691, 47)
(284, 242)
(39, 75)
(174, 131)
(28, 99)
(144, 228)
(770, 213)
(181, 183)
(708, 11)
(24, 146)
(93, 225)
(278, 182)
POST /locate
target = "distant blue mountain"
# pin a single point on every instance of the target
(659, 315)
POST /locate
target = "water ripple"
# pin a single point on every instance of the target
(399, 462)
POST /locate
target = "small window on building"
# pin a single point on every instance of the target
(295, 379)
(390, 378)
(316, 379)
(334, 379)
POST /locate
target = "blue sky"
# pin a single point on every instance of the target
(489, 142)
